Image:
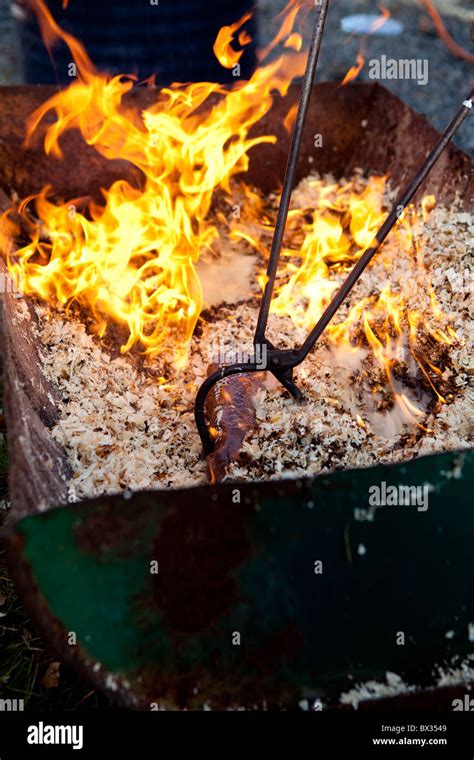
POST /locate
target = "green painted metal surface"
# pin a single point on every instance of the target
(240, 559)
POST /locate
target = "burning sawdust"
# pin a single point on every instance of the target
(124, 427)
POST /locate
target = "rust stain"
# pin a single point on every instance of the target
(199, 553)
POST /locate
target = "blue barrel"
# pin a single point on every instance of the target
(171, 39)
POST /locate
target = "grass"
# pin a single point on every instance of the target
(24, 656)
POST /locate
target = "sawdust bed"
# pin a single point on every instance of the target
(124, 429)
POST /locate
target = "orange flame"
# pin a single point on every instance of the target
(321, 251)
(223, 50)
(355, 70)
(132, 259)
(381, 20)
(290, 117)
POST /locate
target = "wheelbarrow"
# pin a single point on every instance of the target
(241, 595)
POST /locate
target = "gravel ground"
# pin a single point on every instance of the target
(449, 77)
(10, 65)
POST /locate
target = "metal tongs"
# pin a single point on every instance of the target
(281, 362)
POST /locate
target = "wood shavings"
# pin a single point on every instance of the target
(393, 686)
(122, 429)
(449, 676)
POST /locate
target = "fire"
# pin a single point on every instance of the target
(223, 49)
(131, 259)
(343, 218)
(355, 70)
(384, 322)
(321, 246)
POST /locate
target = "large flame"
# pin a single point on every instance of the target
(133, 258)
